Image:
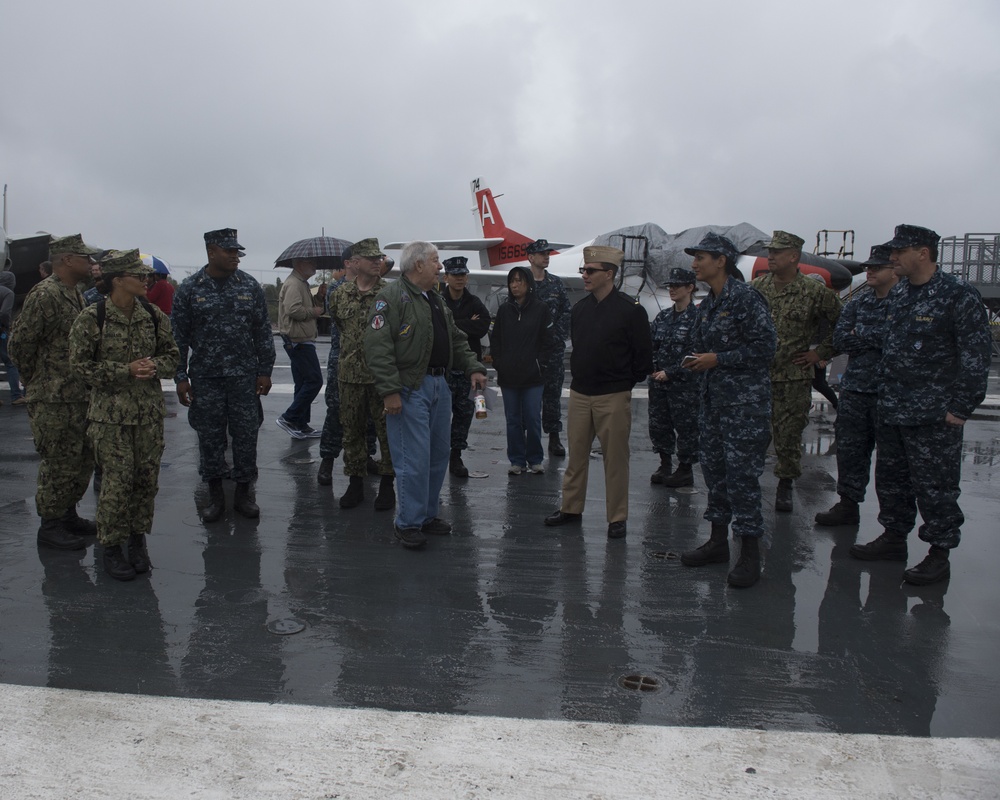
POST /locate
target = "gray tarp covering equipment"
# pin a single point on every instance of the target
(666, 250)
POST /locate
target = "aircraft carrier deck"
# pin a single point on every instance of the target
(506, 660)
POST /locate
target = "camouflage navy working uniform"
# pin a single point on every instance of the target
(125, 414)
(736, 403)
(935, 360)
(860, 333)
(674, 403)
(57, 396)
(552, 291)
(798, 310)
(225, 327)
(350, 310)
(463, 310)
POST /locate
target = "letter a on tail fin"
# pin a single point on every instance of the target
(512, 249)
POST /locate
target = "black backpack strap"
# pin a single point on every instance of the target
(149, 310)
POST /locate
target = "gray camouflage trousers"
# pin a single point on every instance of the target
(855, 429)
(554, 374)
(673, 420)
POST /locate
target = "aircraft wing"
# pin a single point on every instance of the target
(451, 244)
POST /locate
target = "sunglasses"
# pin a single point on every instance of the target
(877, 267)
(592, 270)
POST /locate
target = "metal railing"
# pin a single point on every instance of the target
(975, 257)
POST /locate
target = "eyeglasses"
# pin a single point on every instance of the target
(592, 270)
(88, 259)
(877, 267)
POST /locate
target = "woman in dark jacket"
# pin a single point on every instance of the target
(521, 338)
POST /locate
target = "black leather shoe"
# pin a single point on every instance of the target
(355, 493)
(386, 497)
(243, 501)
(138, 555)
(116, 565)
(436, 527)
(74, 523)
(935, 567)
(410, 538)
(455, 465)
(52, 534)
(616, 530)
(325, 475)
(555, 446)
(666, 465)
(714, 551)
(562, 518)
(216, 502)
(747, 570)
(682, 476)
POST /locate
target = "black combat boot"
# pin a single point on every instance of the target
(666, 464)
(385, 500)
(216, 502)
(74, 523)
(747, 570)
(935, 567)
(355, 493)
(325, 475)
(116, 565)
(138, 555)
(681, 477)
(889, 546)
(555, 446)
(845, 512)
(783, 497)
(714, 551)
(456, 467)
(51, 533)
(243, 501)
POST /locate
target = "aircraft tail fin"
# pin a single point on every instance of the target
(512, 249)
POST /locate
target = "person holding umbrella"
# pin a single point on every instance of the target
(160, 291)
(297, 324)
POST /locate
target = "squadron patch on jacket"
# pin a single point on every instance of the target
(378, 322)
(405, 298)
(405, 331)
(380, 304)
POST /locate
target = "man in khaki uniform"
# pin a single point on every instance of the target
(799, 305)
(57, 397)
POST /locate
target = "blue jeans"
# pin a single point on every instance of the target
(523, 409)
(13, 376)
(420, 444)
(308, 380)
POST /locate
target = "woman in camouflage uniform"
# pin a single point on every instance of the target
(120, 346)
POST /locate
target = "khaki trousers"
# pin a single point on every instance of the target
(609, 418)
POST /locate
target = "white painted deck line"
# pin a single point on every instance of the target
(58, 743)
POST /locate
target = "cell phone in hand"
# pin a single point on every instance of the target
(688, 360)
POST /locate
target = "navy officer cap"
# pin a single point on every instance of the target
(912, 236)
(718, 245)
(224, 238)
(539, 246)
(878, 257)
(456, 265)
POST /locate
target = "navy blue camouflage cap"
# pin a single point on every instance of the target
(719, 245)
(539, 246)
(224, 238)
(912, 236)
(679, 276)
(456, 265)
(878, 257)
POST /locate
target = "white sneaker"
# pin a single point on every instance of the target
(288, 428)
(536, 469)
(514, 470)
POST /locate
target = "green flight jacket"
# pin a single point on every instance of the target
(400, 335)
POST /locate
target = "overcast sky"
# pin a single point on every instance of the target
(145, 125)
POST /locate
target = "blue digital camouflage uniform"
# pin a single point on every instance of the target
(935, 360)
(736, 403)
(798, 310)
(552, 291)
(462, 406)
(225, 326)
(57, 396)
(125, 415)
(92, 296)
(860, 332)
(674, 403)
